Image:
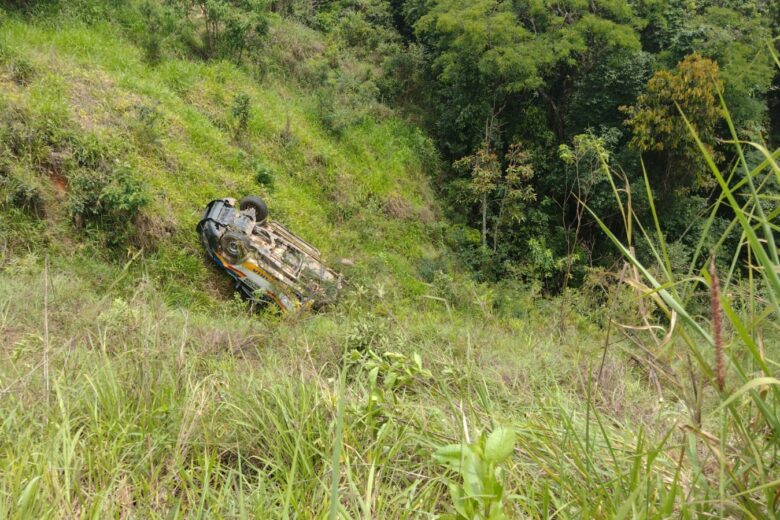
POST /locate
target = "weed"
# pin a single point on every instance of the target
(240, 112)
(151, 41)
(22, 71)
(480, 494)
(264, 174)
(147, 124)
(737, 479)
(27, 197)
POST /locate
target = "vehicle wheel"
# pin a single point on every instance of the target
(256, 203)
(234, 247)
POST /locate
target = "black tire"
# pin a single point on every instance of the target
(256, 203)
(234, 247)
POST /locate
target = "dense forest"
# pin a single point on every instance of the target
(557, 226)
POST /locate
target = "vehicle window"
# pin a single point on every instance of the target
(293, 258)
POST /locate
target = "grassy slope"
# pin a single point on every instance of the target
(334, 193)
(164, 397)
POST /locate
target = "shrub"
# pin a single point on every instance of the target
(27, 196)
(229, 27)
(264, 175)
(17, 192)
(146, 125)
(108, 200)
(151, 41)
(240, 113)
(90, 151)
(24, 137)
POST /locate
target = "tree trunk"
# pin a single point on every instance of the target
(484, 220)
(498, 223)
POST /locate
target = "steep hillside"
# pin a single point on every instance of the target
(80, 107)
(172, 397)
(134, 383)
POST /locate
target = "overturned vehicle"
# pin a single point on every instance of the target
(268, 262)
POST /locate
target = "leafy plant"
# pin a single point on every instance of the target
(508, 188)
(22, 71)
(479, 495)
(229, 27)
(147, 124)
(264, 174)
(151, 41)
(107, 199)
(240, 112)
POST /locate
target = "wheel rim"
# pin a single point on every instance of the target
(232, 248)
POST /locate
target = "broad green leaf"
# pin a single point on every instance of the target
(457, 499)
(372, 376)
(500, 445)
(472, 473)
(450, 455)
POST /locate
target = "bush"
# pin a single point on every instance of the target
(240, 113)
(264, 175)
(25, 137)
(228, 27)
(151, 41)
(90, 151)
(146, 125)
(107, 200)
(19, 193)
(27, 196)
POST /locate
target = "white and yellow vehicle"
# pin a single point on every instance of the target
(267, 260)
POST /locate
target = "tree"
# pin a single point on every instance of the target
(485, 171)
(515, 190)
(733, 33)
(657, 125)
(508, 189)
(481, 55)
(229, 26)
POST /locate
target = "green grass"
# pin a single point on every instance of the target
(334, 192)
(133, 383)
(156, 411)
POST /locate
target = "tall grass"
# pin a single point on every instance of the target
(154, 412)
(725, 370)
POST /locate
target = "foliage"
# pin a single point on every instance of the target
(545, 74)
(230, 27)
(480, 466)
(742, 407)
(264, 175)
(485, 171)
(16, 191)
(506, 188)
(109, 199)
(240, 113)
(147, 124)
(540, 72)
(693, 89)
(137, 386)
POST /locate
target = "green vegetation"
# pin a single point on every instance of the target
(562, 219)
